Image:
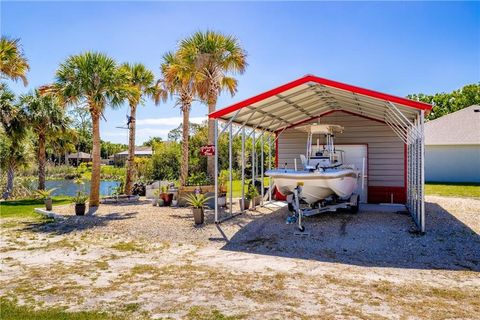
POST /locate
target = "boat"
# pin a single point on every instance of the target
(323, 174)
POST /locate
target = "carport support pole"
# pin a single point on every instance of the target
(216, 168)
(422, 168)
(243, 169)
(253, 166)
(269, 167)
(230, 164)
(261, 167)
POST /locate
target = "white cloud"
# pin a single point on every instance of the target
(171, 121)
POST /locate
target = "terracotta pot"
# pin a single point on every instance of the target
(198, 215)
(80, 209)
(167, 198)
(48, 204)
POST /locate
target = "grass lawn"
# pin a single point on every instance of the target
(10, 311)
(24, 208)
(467, 190)
(237, 186)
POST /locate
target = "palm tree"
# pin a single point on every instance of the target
(14, 126)
(46, 117)
(93, 79)
(215, 56)
(179, 81)
(13, 64)
(142, 81)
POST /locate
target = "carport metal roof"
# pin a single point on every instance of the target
(309, 97)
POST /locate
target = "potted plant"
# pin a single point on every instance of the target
(46, 195)
(80, 203)
(155, 197)
(250, 195)
(197, 202)
(222, 194)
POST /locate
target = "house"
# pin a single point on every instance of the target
(119, 159)
(452, 147)
(78, 157)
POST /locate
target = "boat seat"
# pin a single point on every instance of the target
(305, 163)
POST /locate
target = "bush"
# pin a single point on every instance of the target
(198, 179)
(165, 162)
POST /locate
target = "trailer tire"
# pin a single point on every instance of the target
(354, 209)
(302, 228)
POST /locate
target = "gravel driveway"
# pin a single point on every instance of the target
(153, 262)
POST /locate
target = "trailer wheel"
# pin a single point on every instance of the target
(354, 209)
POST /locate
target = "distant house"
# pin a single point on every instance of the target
(452, 147)
(120, 158)
(78, 157)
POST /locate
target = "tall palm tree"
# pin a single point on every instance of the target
(93, 79)
(13, 64)
(215, 56)
(142, 81)
(13, 123)
(46, 117)
(180, 81)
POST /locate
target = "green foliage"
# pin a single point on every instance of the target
(464, 190)
(445, 103)
(165, 161)
(151, 141)
(13, 64)
(45, 194)
(196, 200)
(9, 310)
(80, 198)
(199, 179)
(252, 192)
(108, 148)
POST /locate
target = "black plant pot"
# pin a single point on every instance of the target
(80, 209)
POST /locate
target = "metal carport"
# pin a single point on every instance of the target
(269, 114)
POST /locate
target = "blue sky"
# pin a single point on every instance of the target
(394, 47)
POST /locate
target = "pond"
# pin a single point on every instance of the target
(70, 188)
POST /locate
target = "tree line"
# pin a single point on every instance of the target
(199, 69)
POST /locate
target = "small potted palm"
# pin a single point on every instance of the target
(80, 203)
(46, 195)
(155, 198)
(250, 196)
(222, 195)
(197, 202)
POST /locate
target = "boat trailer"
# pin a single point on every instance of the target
(326, 205)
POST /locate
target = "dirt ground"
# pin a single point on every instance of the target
(153, 262)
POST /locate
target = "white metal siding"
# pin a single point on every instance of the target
(452, 163)
(385, 149)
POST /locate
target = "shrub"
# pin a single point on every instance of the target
(165, 162)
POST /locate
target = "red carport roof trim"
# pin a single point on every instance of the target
(323, 81)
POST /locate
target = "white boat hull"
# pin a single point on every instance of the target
(315, 186)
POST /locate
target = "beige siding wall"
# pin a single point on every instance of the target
(385, 149)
